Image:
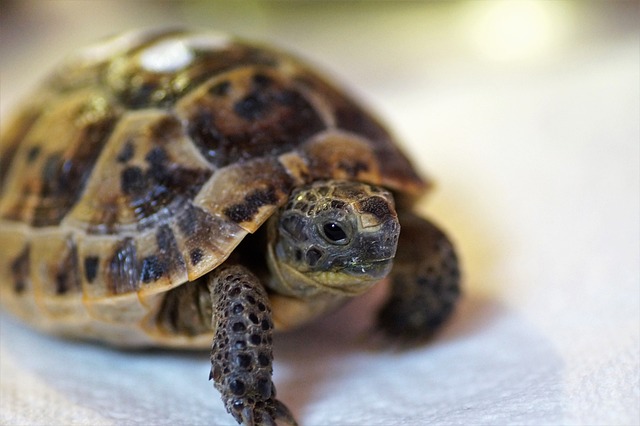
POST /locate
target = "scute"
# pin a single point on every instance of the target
(143, 176)
(247, 193)
(140, 171)
(54, 159)
(252, 111)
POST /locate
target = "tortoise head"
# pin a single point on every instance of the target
(337, 236)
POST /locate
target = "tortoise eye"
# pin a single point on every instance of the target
(334, 232)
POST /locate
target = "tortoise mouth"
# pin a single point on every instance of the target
(354, 279)
(376, 269)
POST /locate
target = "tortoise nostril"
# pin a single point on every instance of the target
(313, 256)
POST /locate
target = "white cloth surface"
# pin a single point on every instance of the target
(538, 181)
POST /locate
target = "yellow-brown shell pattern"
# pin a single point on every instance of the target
(143, 161)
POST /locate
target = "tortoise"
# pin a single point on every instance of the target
(175, 188)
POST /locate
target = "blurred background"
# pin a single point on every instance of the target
(527, 116)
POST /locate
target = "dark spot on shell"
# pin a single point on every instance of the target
(377, 206)
(237, 308)
(33, 153)
(207, 138)
(51, 169)
(91, 268)
(240, 344)
(189, 219)
(152, 269)
(261, 80)
(20, 271)
(126, 153)
(156, 156)
(165, 239)
(165, 130)
(140, 96)
(254, 318)
(196, 255)
(252, 106)
(288, 98)
(168, 250)
(67, 275)
(220, 89)
(132, 180)
(245, 211)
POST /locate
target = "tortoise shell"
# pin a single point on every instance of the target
(142, 162)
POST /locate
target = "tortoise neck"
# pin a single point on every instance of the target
(295, 302)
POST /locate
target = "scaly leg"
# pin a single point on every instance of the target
(241, 355)
(425, 281)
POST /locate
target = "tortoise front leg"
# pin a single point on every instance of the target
(241, 355)
(425, 281)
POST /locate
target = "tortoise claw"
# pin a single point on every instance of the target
(273, 413)
(280, 412)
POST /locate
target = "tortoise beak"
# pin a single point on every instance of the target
(374, 271)
(356, 279)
